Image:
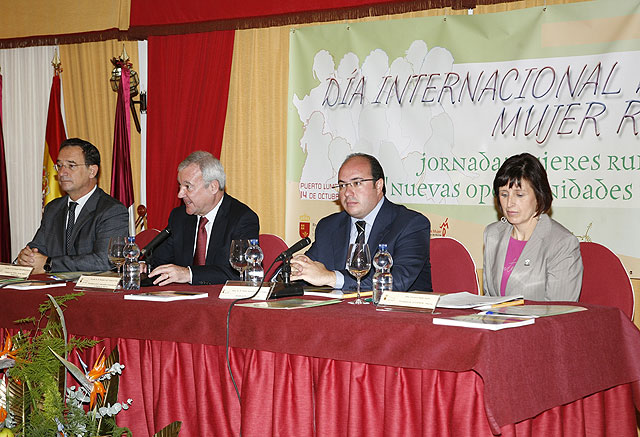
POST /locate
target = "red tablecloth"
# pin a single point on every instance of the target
(515, 374)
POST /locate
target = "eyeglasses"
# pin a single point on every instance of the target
(72, 166)
(341, 186)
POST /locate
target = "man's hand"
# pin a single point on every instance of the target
(32, 258)
(314, 272)
(169, 274)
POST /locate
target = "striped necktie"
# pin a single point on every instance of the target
(71, 218)
(360, 224)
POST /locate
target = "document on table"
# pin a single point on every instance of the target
(35, 285)
(332, 293)
(465, 299)
(484, 321)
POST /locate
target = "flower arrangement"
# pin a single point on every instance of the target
(34, 397)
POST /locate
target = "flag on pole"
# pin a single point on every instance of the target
(54, 135)
(5, 228)
(121, 178)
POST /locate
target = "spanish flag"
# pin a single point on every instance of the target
(54, 135)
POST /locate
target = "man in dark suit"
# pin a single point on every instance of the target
(75, 229)
(197, 251)
(362, 191)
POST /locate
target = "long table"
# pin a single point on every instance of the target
(350, 370)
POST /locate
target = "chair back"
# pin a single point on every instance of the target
(271, 246)
(144, 237)
(604, 279)
(452, 267)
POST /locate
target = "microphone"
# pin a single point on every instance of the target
(293, 249)
(286, 288)
(157, 241)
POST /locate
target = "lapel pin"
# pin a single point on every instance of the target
(527, 262)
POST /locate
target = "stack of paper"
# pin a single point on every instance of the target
(485, 321)
(166, 295)
(466, 300)
(537, 310)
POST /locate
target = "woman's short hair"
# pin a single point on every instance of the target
(528, 167)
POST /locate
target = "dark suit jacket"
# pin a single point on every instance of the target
(101, 218)
(234, 221)
(405, 232)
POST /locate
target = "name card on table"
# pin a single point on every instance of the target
(13, 271)
(98, 282)
(243, 290)
(415, 301)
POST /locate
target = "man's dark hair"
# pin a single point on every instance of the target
(90, 152)
(528, 167)
(376, 169)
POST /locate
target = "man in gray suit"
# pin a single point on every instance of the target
(75, 229)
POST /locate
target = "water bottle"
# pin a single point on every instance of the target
(254, 257)
(382, 279)
(131, 269)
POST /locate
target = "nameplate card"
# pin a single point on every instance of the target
(243, 290)
(104, 283)
(414, 300)
(12, 271)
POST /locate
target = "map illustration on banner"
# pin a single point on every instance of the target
(442, 113)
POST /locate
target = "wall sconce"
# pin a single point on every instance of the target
(134, 81)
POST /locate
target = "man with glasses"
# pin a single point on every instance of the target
(75, 229)
(371, 218)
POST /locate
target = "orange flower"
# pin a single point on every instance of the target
(7, 351)
(98, 370)
(98, 388)
(3, 414)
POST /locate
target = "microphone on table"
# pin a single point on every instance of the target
(286, 288)
(293, 249)
(147, 252)
(157, 241)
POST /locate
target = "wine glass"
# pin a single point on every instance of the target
(237, 258)
(358, 264)
(116, 254)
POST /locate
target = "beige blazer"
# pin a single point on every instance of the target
(549, 267)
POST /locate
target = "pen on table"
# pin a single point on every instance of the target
(508, 304)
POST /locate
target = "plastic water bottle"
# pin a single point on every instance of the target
(131, 269)
(382, 279)
(254, 257)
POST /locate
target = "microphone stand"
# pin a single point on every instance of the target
(286, 288)
(145, 280)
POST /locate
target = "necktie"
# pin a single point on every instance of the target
(200, 257)
(360, 224)
(71, 218)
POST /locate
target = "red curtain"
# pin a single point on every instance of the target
(121, 179)
(294, 395)
(188, 91)
(146, 13)
(5, 229)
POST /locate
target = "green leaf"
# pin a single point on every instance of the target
(170, 430)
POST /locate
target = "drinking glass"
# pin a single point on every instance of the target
(236, 256)
(358, 264)
(116, 255)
